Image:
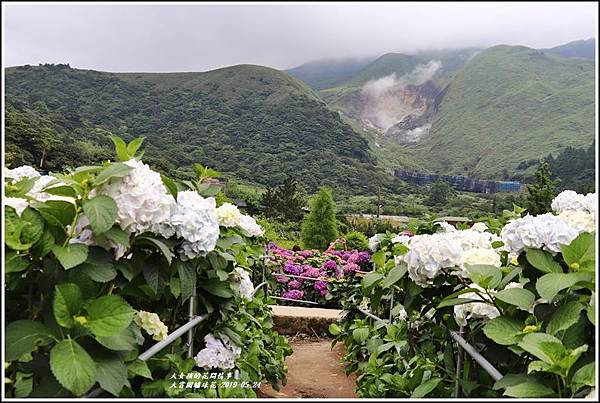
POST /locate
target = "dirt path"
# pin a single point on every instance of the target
(314, 370)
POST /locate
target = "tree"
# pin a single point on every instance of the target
(284, 202)
(439, 193)
(541, 192)
(319, 228)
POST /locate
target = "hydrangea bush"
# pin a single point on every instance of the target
(519, 289)
(101, 262)
(329, 269)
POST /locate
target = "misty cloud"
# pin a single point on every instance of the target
(199, 36)
(419, 75)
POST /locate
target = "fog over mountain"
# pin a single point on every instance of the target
(200, 37)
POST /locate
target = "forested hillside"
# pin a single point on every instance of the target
(251, 122)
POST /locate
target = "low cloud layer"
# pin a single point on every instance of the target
(419, 75)
(198, 37)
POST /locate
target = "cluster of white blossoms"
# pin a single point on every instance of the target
(481, 256)
(228, 215)
(580, 220)
(83, 234)
(479, 310)
(219, 353)
(37, 191)
(374, 241)
(569, 200)
(152, 324)
(429, 254)
(246, 286)
(196, 222)
(545, 231)
(143, 201)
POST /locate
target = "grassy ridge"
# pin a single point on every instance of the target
(507, 105)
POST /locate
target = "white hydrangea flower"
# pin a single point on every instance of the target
(245, 284)
(365, 303)
(196, 222)
(219, 353)
(471, 239)
(143, 201)
(480, 310)
(513, 284)
(590, 202)
(249, 226)
(374, 241)
(17, 203)
(228, 215)
(152, 324)
(481, 256)
(19, 173)
(479, 227)
(430, 253)
(568, 200)
(545, 231)
(445, 227)
(402, 315)
(403, 239)
(582, 221)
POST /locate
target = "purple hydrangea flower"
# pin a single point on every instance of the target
(294, 284)
(329, 265)
(291, 268)
(363, 258)
(321, 287)
(311, 272)
(293, 294)
(306, 253)
(281, 279)
(350, 268)
(346, 255)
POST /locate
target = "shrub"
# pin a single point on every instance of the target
(356, 241)
(319, 228)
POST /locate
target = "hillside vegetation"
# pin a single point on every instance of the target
(251, 122)
(510, 104)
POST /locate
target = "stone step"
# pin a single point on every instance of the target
(291, 320)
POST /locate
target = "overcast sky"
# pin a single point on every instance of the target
(199, 37)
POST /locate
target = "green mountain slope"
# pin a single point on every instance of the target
(251, 122)
(328, 73)
(583, 48)
(510, 104)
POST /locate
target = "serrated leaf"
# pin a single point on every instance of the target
(486, 276)
(334, 329)
(99, 265)
(134, 146)
(543, 261)
(116, 235)
(370, 279)
(425, 388)
(170, 185)
(120, 148)
(360, 334)
(114, 170)
(187, 278)
(123, 340)
(503, 330)
(67, 303)
(15, 263)
(543, 346)
(102, 213)
(71, 255)
(549, 285)
(217, 287)
(520, 297)
(108, 315)
(582, 252)
(394, 275)
(73, 367)
(139, 367)
(112, 375)
(529, 389)
(585, 375)
(25, 336)
(565, 317)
